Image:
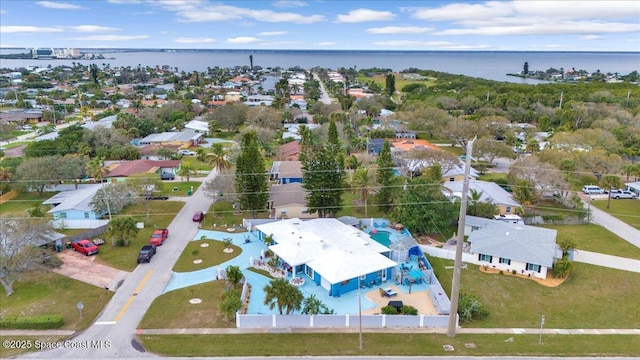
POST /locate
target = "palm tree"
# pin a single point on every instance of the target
(219, 157)
(361, 185)
(313, 306)
(123, 228)
(609, 182)
(187, 168)
(97, 169)
(286, 297)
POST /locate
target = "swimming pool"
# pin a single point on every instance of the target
(382, 237)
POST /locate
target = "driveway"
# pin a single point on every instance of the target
(86, 269)
(610, 261)
(618, 227)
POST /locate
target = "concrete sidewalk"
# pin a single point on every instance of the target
(610, 261)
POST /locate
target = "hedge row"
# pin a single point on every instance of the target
(32, 322)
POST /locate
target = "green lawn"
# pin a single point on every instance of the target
(595, 238)
(210, 255)
(161, 213)
(173, 309)
(624, 209)
(380, 344)
(593, 297)
(180, 188)
(23, 202)
(46, 293)
(221, 215)
(353, 206)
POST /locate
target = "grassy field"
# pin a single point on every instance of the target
(353, 206)
(43, 292)
(23, 202)
(180, 188)
(375, 344)
(593, 297)
(595, 238)
(161, 213)
(211, 255)
(173, 310)
(623, 209)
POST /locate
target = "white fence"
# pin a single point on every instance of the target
(276, 321)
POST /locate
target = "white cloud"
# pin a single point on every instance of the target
(325, 43)
(289, 3)
(28, 29)
(198, 11)
(3, 11)
(243, 40)
(363, 15)
(400, 30)
(92, 28)
(59, 5)
(194, 40)
(494, 18)
(442, 45)
(124, 1)
(272, 33)
(592, 37)
(110, 37)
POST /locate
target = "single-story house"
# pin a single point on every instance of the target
(336, 256)
(143, 166)
(149, 152)
(289, 151)
(489, 192)
(72, 210)
(528, 250)
(374, 146)
(285, 172)
(184, 138)
(288, 201)
(198, 125)
(452, 171)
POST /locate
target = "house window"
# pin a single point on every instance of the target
(484, 257)
(86, 215)
(62, 215)
(309, 271)
(533, 267)
(452, 179)
(505, 261)
(508, 209)
(363, 277)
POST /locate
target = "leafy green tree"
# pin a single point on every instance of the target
(361, 185)
(480, 208)
(251, 176)
(524, 193)
(234, 275)
(424, 208)
(282, 295)
(390, 84)
(39, 173)
(123, 228)
(384, 177)
(323, 178)
(19, 251)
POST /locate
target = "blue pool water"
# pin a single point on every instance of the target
(382, 237)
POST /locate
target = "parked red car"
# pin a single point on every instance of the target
(198, 216)
(158, 236)
(84, 247)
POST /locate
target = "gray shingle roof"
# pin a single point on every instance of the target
(523, 243)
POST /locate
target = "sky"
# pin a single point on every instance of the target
(323, 25)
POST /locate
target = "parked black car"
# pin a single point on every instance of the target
(146, 253)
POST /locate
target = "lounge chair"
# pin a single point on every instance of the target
(389, 292)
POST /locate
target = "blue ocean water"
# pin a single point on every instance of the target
(489, 65)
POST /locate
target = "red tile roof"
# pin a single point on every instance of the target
(128, 168)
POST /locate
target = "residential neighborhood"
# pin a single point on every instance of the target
(307, 198)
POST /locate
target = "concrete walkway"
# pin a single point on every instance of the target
(618, 227)
(610, 261)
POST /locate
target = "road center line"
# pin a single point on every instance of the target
(130, 300)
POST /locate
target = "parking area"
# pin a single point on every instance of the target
(86, 269)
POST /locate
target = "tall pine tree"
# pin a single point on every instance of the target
(385, 176)
(323, 178)
(251, 177)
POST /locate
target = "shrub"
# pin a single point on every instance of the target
(514, 272)
(409, 310)
(562, 267)
(389, 310)
(501, 272)
(195, 252)
(470, 308)
(231, 303)
(32, 322)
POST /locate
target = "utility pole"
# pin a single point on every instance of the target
(455, 285)
(561, 97)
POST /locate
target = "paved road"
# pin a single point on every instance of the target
(119, 320)
(620, 228)
(325, 98)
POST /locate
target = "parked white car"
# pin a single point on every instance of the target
(592, 189)
(186, 152)
(622, 194)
